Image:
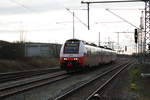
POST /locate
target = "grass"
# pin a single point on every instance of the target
(135, 74)
(138, 84)
(27, 64)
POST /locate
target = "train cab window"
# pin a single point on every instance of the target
(71, 47)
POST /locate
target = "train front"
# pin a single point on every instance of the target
(71, 56)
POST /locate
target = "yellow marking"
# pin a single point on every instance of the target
(133, 86)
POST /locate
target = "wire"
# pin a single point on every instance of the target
(77, 18)
(121, 18)
(127, 9)
(113, 1)
(124, 32)
(22, 5)
(109, 22)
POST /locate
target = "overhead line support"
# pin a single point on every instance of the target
(147, 16)
(89, 2)
(111, 1)
(147, 24)
(88, 11)
(122, 19)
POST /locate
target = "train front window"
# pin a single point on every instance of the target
(71, 47)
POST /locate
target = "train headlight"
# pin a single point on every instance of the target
(65, 58)
(75, 58)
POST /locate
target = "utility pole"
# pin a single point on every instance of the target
(109, 44)
(99, 40)
(147, 24)
(93, 2)
(73, 26)
(74, 16)
(118, 40)
(141, 34)
(88, 12)
(147, 16)
(118, 36)
(77, 17)
(23, 32)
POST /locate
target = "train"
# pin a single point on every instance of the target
(77, 54)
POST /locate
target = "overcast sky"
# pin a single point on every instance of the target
(49, 21)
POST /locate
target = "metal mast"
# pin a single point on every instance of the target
(147, 24)
(147, 16)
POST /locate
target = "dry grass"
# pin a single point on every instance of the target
(142, 84)
(27, 64)
(123, 88)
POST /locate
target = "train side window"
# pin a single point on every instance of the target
(89, 53)
(85, 54)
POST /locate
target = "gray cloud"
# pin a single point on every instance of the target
(34, 6)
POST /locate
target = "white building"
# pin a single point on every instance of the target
(42, 50)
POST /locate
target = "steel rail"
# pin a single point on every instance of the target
(11, 76)
(34, 70)
(103, 86)
(62, 97)
(11, 88)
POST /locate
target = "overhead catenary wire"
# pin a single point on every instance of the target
(22, 5)
(77, 18)
(109, 22)
(118, 1)
(126, 9)
(121, 18)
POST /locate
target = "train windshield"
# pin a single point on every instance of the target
(71, 47)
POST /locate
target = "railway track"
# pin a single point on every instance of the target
(97, 94)
(17, 82)
(13, 76)
(94, 87)
(21, 85)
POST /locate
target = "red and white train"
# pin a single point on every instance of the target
(77, 54)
